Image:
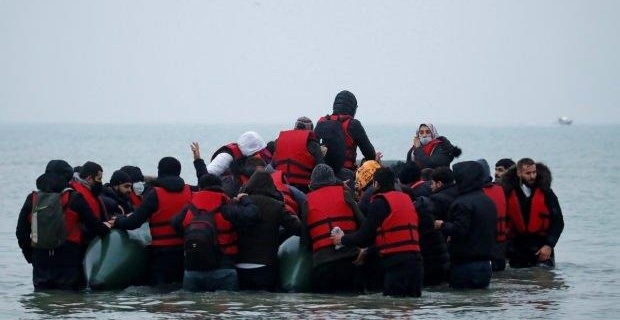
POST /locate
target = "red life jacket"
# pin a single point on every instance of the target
(416, 184)
(540, 219)
(226, 234)
(94, 203)
(292, 156)
(399, 231)
(289, 201)
(350, 154)
(430, 147)
(231, 148)
(169, 204)
(327, 209)
(496, 193)
(135, 199)
(72, 219)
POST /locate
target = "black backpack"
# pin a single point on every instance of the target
(48, 229)
(202, 251)
(330, 134)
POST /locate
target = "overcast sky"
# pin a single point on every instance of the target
(483, 62)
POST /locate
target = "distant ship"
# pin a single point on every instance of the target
(565, 121)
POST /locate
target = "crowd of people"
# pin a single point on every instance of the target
(369, 226)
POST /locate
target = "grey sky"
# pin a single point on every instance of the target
(504, 62)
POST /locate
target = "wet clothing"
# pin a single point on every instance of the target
(438, 153)
(521, 251)
(473, 218)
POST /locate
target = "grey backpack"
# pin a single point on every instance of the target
(48, 229)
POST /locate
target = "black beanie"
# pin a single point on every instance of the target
(345, 102)
(134, 173)
(168, 166)
(119, 177)
(409, 173)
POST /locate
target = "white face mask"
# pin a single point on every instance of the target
(425, 140)
(138, 188)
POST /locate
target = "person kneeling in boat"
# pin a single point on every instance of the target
(392, 227)
(535, 220)
(330, 204)
(209, 264)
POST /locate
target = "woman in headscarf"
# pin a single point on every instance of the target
(430, 150)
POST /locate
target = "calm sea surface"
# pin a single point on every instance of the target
(584, 161)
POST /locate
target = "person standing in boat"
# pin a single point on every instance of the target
(430, 150)
(343, 134)
(330, 204)
(228, 162)
(471, 227)
(59, 265)
(535, 220)
(167, 197)
(391, 228)
(296, 153)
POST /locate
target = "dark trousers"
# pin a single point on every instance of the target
(527, 258)
(470, 275)
(166, 265)
(404, 279)
(435, 276)
(262, 278)
(334, 276)
(59, 268)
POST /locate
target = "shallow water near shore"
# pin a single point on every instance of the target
(585, 283)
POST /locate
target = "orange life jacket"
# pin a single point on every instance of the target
(135, 199)
(327, 209)
(226, 234)
(350, 154)
(169, 204)
(292, 156)
(540, 219)
(496, 193)
(399, 231)
(94, 203)
(290, 204)
(72, 219)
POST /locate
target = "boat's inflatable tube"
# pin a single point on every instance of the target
(295, 266)
(117, 260)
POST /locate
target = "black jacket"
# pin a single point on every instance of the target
(150, 203)
(356, 130)
(115, 203)
(473, 218)
(442, 155)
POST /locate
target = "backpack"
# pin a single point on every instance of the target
(48, 229)
(202, 250)
(330, 134)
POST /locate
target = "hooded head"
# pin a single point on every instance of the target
(168, 166)
(304, 123)
(469, 176)
(250, 143)
(57, 175)
(261, 183)
(322, 175)
(426, 132)
(486, 170)
(364, 174)
(345, 103)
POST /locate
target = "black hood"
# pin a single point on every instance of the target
(170, 183)
(345, 103)
(487, 170)
(57, 175)
(261, 183)
(452, 149)
(469, 176)
(543, 177)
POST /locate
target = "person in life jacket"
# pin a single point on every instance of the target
(391, 228)
(496, 193)
(344, 109)
(257, 265)
(228, 162)
(535, 220)
(59, 267)
(116, 194)
(167, 197)
(471, 226)
(296, 153)
(229, 215)
(88, 183)
(430, 150)
(138, 186)
(330, 204)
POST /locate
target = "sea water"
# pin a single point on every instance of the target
(584, 161)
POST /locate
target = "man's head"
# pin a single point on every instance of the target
(121, 182)
(384, 179)
(92, 173)
(441, 177)
(501, 166)
(409, 174)
(168, 166)
(526, 171)
(304, 123)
